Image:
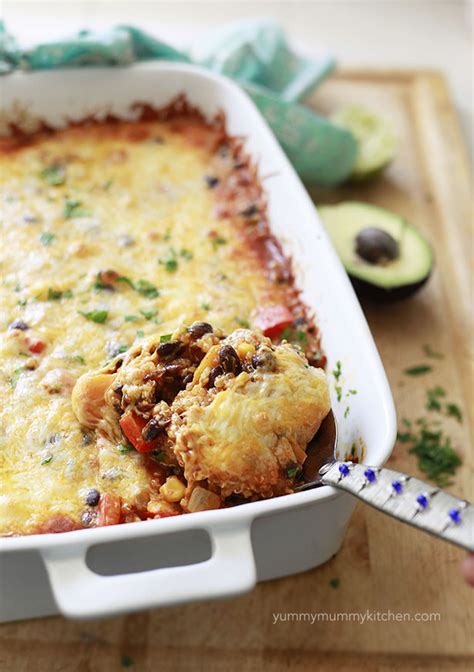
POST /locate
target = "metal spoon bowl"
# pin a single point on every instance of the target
(399, 495)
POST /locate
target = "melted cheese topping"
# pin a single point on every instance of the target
(128, 197)
(247, 437)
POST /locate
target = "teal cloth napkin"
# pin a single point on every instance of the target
(254, 53)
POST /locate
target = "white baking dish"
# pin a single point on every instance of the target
(214, 553)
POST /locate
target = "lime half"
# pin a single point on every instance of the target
(377, 143)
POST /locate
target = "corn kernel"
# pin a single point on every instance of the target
(245, 350)
(173, 490)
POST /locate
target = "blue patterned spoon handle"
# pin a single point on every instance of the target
(406, 498)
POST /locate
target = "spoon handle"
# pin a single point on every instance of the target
(407, 498)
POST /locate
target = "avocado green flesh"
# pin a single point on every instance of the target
(377, 144)
(343, 223)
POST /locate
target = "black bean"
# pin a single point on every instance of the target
(264, 360)
(300, 322)
(211, 181)
(187, 379)
(173, 369)
(87, 518)
(229, 360)
(170, 349)
(93, 497)
(198, 329)
(251, 211)
(18, 324)
(215, 373)
(86, 439)
(154, 428)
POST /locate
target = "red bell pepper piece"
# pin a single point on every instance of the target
(273, 319)
(109, 509)
(35, 345)
(132, 426)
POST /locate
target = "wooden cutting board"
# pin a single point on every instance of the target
(383, 565)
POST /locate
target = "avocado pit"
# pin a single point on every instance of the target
(376, 246)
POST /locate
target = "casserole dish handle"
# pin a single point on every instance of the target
(81, 593)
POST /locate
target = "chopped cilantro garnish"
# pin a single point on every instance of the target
(338, 390)
(21, 302)
(433, 398)
(301, 337)
(97, 316)
(436, 456)
(16, 374)
(146, 289)
(99, 284)
(131, 318)
(347, 411)
(73, 208)
(429, 352)
(418, 370)
(106, 186)
(285, 334)
(46, 238)
(123, 448)
(78, 358)
(453, 411)
(55, 174)
(149, 313)
(243, 323)
(56, 294)
(165, 338)
(186, 254)
(218, 241)
(125, 280)
(206, 306)
(170, 264)
(291, 472)
(404, 437)
(335, 583)
(140, 333)
(142, 286)
(336, 372)
(120, 349)
(47, 459)
(127, 661)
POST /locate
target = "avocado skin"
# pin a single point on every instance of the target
(366, 289)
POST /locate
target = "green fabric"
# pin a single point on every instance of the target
(254, 53)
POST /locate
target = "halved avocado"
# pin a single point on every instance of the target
(376, 140)
(385, 257)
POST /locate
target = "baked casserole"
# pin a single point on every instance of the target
(149, 323)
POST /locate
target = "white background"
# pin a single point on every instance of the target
(378, 33)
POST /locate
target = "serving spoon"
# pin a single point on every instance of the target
(399, 495)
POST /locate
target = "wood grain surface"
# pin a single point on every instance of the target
(383, 565)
